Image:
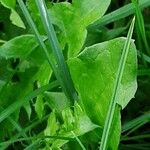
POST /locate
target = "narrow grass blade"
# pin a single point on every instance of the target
(111, 110)
(61, 72)
(78, 140)
(120, 13)
(135, 128)
(57, 52)
(17, 104)
(37, 35)
(133, 123)
(144, 136)
(145, 57)
(41, 43)
(140, 23)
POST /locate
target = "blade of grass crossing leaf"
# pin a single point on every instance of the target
(41, 43)
(54, 44)
(140, 23)
(120, 13)
(17, 104)
(78, 140)
(111, 109)
(35, 31)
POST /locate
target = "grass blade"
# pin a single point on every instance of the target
(134, 129)
(68, 88)
(140, 24)
(37, 35)
(78, 140)
(145, 57)
(144, 136)
(57, 52)
(120, 13)
(133, 123)
(111, 110)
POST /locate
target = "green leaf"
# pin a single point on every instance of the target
(8, 3)
(14, 17)
(52, 125)
(120, 13)
(57, 101)
(94, 72)
(90, 11)
(71, 19)
(74, 18)
(19, 47)
(43, 77)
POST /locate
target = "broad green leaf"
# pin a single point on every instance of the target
(14, 17)
(19, 47)
(90, 11)
(94, 71)
(8, 3)
(71, 19)
(16, 20)
(23, 47)
(74, 18)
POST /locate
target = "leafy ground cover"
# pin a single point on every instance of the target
(74, 75)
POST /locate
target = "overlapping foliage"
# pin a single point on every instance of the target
(93, 70)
